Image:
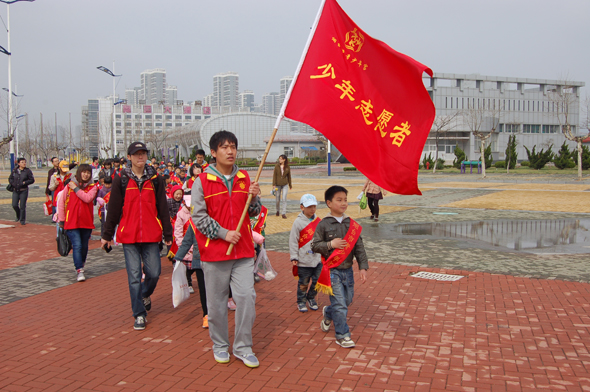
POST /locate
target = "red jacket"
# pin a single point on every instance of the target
(139, 221)
(226, 210)
(60, 187)
(79, 214)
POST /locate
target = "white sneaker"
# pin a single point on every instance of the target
(325, 323)
(81, 277)
(346, 342)
(191, 290)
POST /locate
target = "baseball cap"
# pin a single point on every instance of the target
(308, 200)
(64, 165)
(135, 147)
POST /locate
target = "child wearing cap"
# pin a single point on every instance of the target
(306, 264)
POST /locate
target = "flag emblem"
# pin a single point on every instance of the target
(354, 40)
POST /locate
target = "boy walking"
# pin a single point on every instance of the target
(337, 238)
(306, 264)
(219, 196)
(138, 205)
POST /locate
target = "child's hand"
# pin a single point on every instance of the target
(233, 237)
(254, 189)
(294, 262)
(363, 274)
(338, 243)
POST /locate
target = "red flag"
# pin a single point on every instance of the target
(366, 98)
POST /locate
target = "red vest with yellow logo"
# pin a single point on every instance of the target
(226, 209)
(79, 215)
(60, 187)
(139, 221)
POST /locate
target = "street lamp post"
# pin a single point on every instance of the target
(109, 72)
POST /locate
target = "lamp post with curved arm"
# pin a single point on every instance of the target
(111, 73)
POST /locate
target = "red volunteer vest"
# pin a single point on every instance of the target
(60, 187)
(79, 215)
(139, 221)
(226, 210)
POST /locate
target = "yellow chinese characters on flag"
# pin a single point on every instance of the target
(366, 98)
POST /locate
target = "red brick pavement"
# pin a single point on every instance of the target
(482, 333)
(22, 245)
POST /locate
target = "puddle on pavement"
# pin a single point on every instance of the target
(524, 235)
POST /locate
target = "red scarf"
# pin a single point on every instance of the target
(305, 236)
(337, 257)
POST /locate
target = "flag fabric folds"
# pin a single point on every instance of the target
(366, 98)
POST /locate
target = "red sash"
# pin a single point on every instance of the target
(305, 236)
(106, 199)
(174, 247)
(337, 257)
(261, 220)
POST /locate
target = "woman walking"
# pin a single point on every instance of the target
(374, 194)
(281, 178)
(20, 179)
(75, 213)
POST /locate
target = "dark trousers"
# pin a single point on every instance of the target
(201, 284)
(305, 275)
(19, 203)
(373, 206)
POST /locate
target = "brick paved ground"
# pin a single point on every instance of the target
(495, 329)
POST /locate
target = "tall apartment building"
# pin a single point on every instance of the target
(171, 95)
(247, 100)
(270, 103)
(153, 86)
(132, 95)
(521, 106)
(284, 85)
(226, 91)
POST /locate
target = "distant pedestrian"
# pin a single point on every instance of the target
(374, 194)
(49, 193)
(281, 178)
(141, 220)
(20, 179)
(75, 214)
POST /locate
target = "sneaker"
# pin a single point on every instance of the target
(231, 305)
(376, 220)
(301, 307)
(191, 290)
(81, 277)
(284, 216)
(140, 322)
(221, 357)
(276, 215)
(345, 342)
(249, 360)
(325, 323)
(147, 302)
(372, 217)
(206, 322)
(313, 305)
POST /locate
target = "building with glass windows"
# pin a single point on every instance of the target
(520, 106)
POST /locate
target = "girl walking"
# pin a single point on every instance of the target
(76, 214)
(374, 194)
(281, 178)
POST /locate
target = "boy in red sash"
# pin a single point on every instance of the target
(337, 238)
(219, 196)
(200, 155)
(306, 264)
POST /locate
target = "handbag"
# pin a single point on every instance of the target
(363, 202)
(180, 291)
(64, 245)
(9, 187)
(48, 208)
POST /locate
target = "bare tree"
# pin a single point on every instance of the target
(482, 121)
(565, 98)
(105, 139)
(157, 140)
(440, 126)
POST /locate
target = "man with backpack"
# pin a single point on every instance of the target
(138, 206)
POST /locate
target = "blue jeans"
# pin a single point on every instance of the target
(343, 289)
(79, 239)
(305, 274)
(135, 254)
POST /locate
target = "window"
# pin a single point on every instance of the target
(441, 148)
(158, 124)
(178, 117)
(450, 149)
(168, 117)
(550, 128)
(118, 116)
(127, 124)
(168, 124)
(128, 116)
(511, 128)
(148, 116)
(288, 151)
(500, 128)
(158, 116)
(531, 128)
(118, 132)
(188, 117)
(138, 116)
(178, 124)
(118, 124)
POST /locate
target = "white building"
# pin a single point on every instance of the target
(153, 86)
(226, 90)
(284, 85)
(247, 100)
(270, 103)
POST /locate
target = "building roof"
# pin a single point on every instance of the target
(587, 140)
(294, 139)
(486, 78)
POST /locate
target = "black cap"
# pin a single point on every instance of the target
(135, 147)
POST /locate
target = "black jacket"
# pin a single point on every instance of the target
(21, 181)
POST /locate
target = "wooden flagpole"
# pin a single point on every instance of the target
(279, 118)
(245, 212)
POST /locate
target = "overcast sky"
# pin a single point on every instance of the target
(57, 44)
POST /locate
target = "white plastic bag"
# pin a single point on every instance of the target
(360, 196)
(180, 291)
(262, 266)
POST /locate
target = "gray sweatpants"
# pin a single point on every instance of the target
(219, 276)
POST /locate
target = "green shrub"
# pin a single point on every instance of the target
(459, 157)
(511, 153)
(294, 160)
(487, 155)
(349, 169)
(500, 165)
(563, 158)
(585, 157)
(525, 163)
(428, 159)
(440, 164)
(539, 159)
